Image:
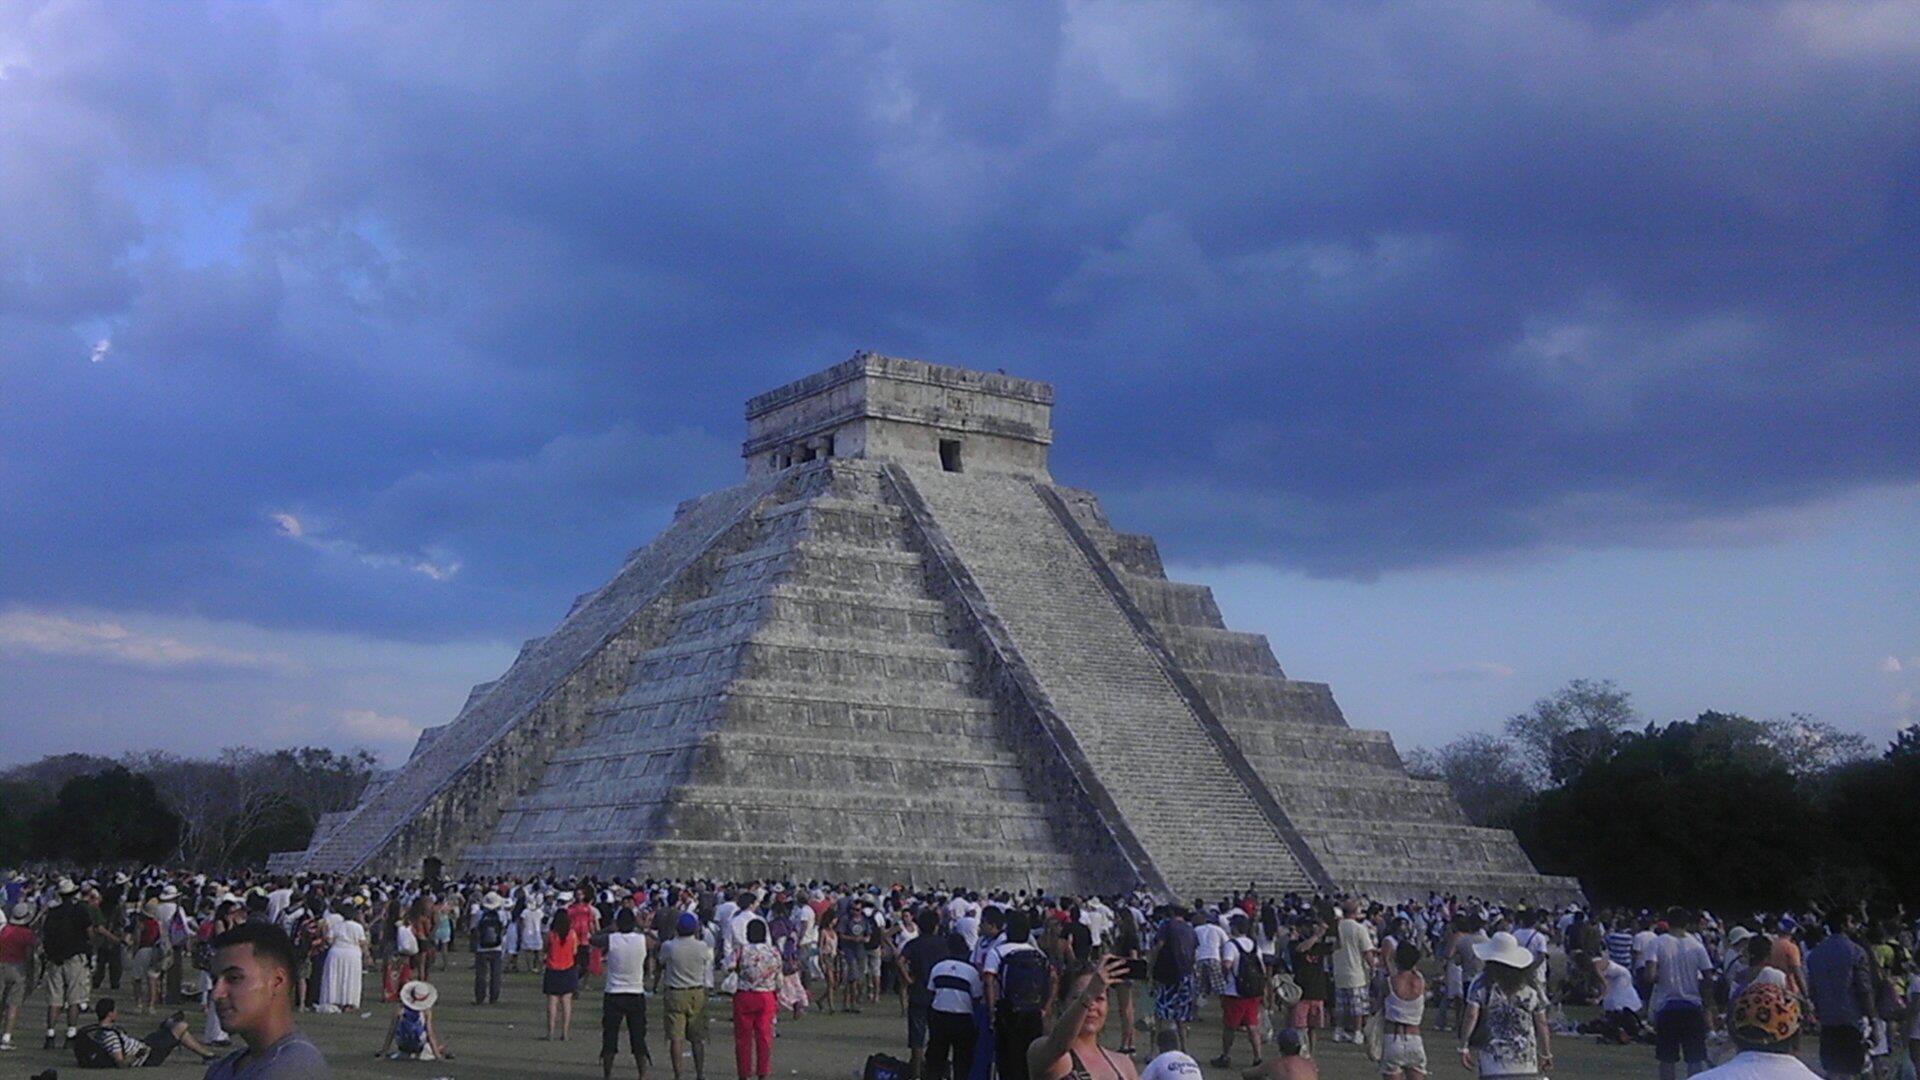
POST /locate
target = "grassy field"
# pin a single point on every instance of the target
(504, 1041)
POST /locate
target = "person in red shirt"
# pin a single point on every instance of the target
(586, 921)
(16, 960)
(562, 978)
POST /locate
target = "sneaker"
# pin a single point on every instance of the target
(1222, 1062)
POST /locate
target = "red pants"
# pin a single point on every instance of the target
(753, 1012)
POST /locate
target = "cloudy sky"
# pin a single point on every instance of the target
(1465, 348)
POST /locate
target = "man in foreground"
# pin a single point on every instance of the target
(253, 995)
(1765, 1024)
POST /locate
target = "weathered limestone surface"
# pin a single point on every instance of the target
(900, 652)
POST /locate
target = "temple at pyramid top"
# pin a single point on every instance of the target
(907, 411)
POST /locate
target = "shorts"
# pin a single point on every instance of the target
(556, 982)
(685, 1013)
(1843, 1052)
(917, 1019)
(163, 1042)
(1308, 1014)
(873, 963)
(1349, 1003)
(1680, 1027)
(68, 983)
(141, 964)
(13, 986)
(1399, 1052)
(1212, 979)
(627, 1009)
(1239, 1012)
(1174, 1001)
(853, 961)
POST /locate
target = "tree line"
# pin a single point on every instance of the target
(226, 811)
(1722, 811)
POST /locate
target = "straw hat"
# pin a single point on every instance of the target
(66, 887)
(492, 901)
(418, 995)
(169, 892)
(1504, 948)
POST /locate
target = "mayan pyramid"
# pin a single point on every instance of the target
(900, 652)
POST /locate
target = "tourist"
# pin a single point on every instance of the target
(488, 937)
(561, 978)
(1172, 970)
(1171, 1062)
(105, 1045)
(17, 944)
(1354, 957)
(226, 915)
(1507, 1033)
(109, 932)
(686, 965)
(1840, 986)
(1403, 1052)
(1786, 955)
(1620, 1003)
(1312, 951)
(1287, 1062)
(1124, 942)
(253, 991)
(623, 1000)
(756, 965)
(1019, 985)
(1680, 971)
(340, 974)
(1071, 1048)
(411, 1035)
(146, 959)
(66, 940)
(1209, 959)
(916, 962)
(1764, 1022)
(958, 1000)
(855, 929)
(1243, 990)
(421, 923)
(829, 952)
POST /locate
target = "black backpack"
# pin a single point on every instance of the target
(488, 934)
(1023, 980)
(1250, 974)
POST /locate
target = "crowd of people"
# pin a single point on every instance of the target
(1015, 985)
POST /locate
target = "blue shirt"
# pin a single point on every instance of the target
(1839, 981)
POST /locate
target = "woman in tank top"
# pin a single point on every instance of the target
(1071, 1049)
(1403, 1053)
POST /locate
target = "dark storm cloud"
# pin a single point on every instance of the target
(1345, 288)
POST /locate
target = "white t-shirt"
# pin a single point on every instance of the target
(968, 927)
(737, 930)
(1682, 961)
(1209, 939)
(1759, 1065)
(1099, 922)
(1643, 948)
(1620, 993)
(803, 917)
(1350, 957)
(953, 999)
(1172, 1065)
(1230, 960)
(626, 963)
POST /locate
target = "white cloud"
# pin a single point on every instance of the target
(48, 634)
(101, 348)
(1474, 671)
(1890, 665)
(433, 565)
(378, 726)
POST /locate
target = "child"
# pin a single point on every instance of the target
(412, 1028)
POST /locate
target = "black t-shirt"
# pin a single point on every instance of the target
(1080, 936)
(1311, 971)
(920, 955)
(66, 934)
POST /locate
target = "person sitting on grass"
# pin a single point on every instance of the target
(412, 1027)
(105, 1045)
(1287, 1063)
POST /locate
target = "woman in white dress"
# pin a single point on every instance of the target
(340, 982)
(532, 928)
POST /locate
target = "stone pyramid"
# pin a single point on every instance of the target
(899, 652)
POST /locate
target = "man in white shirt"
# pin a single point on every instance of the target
(746, 911)
(1678, 1006)
(951, 1030)
(625, 998)
(1353, 959)
(1210, 942)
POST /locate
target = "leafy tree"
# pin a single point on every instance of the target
(1872, 805)
(1482, 771)
(108, 816)
(1695, 812)
(1906, 743)
(1571, 729)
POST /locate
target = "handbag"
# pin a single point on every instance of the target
(405, 941)
(1376, 1036)
(1285, 990)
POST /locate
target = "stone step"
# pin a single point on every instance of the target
(1172, 602)
(1204, 648)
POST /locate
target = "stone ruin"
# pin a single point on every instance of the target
(900, 652)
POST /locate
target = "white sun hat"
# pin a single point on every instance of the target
(419, 996)
(1504, 948)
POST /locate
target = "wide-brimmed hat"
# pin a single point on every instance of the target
(66, 887)
(564, 896)
(121, 878)
(22, 912)
(1504, 948)
(492, 901)
(169, 892)
(1764, 1014)
(419, 995)
(1738, 936)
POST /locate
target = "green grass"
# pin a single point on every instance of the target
(504, 1041)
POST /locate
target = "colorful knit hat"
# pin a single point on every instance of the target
(1764, 1014)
